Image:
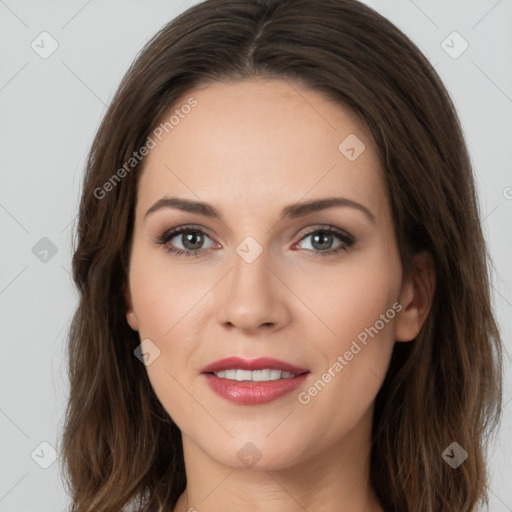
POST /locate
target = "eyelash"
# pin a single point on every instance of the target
(348, 241)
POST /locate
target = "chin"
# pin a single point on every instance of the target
(258, 452)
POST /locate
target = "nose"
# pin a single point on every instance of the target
(252, 296)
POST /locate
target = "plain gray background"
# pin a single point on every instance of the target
(50, 109)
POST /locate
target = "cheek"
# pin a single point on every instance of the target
(164, 295)
(358, 308)
(349, 298)
(164, 305)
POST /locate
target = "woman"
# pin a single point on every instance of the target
(284, 301)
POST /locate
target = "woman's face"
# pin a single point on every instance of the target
(262, 284)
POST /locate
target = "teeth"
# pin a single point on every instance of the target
(256, 375)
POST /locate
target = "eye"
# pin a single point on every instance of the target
(192, 238)
(322, 239)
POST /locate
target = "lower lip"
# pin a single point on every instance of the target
(253, 393)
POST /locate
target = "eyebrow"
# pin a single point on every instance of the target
(288, 212)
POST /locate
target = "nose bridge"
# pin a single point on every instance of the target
(251, 296)
(251, 266)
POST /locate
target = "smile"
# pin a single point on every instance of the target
(256, 375)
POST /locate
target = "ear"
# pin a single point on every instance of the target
(130, 313)
(416, 298)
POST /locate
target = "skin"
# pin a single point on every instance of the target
(249, 149)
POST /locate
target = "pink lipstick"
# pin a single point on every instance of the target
(253, 381)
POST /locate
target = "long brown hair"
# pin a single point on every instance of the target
(119, 445)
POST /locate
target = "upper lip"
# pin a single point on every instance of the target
(260, 363)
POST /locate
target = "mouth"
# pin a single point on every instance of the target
(253, 382)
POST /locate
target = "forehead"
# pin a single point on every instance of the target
(261, 141)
